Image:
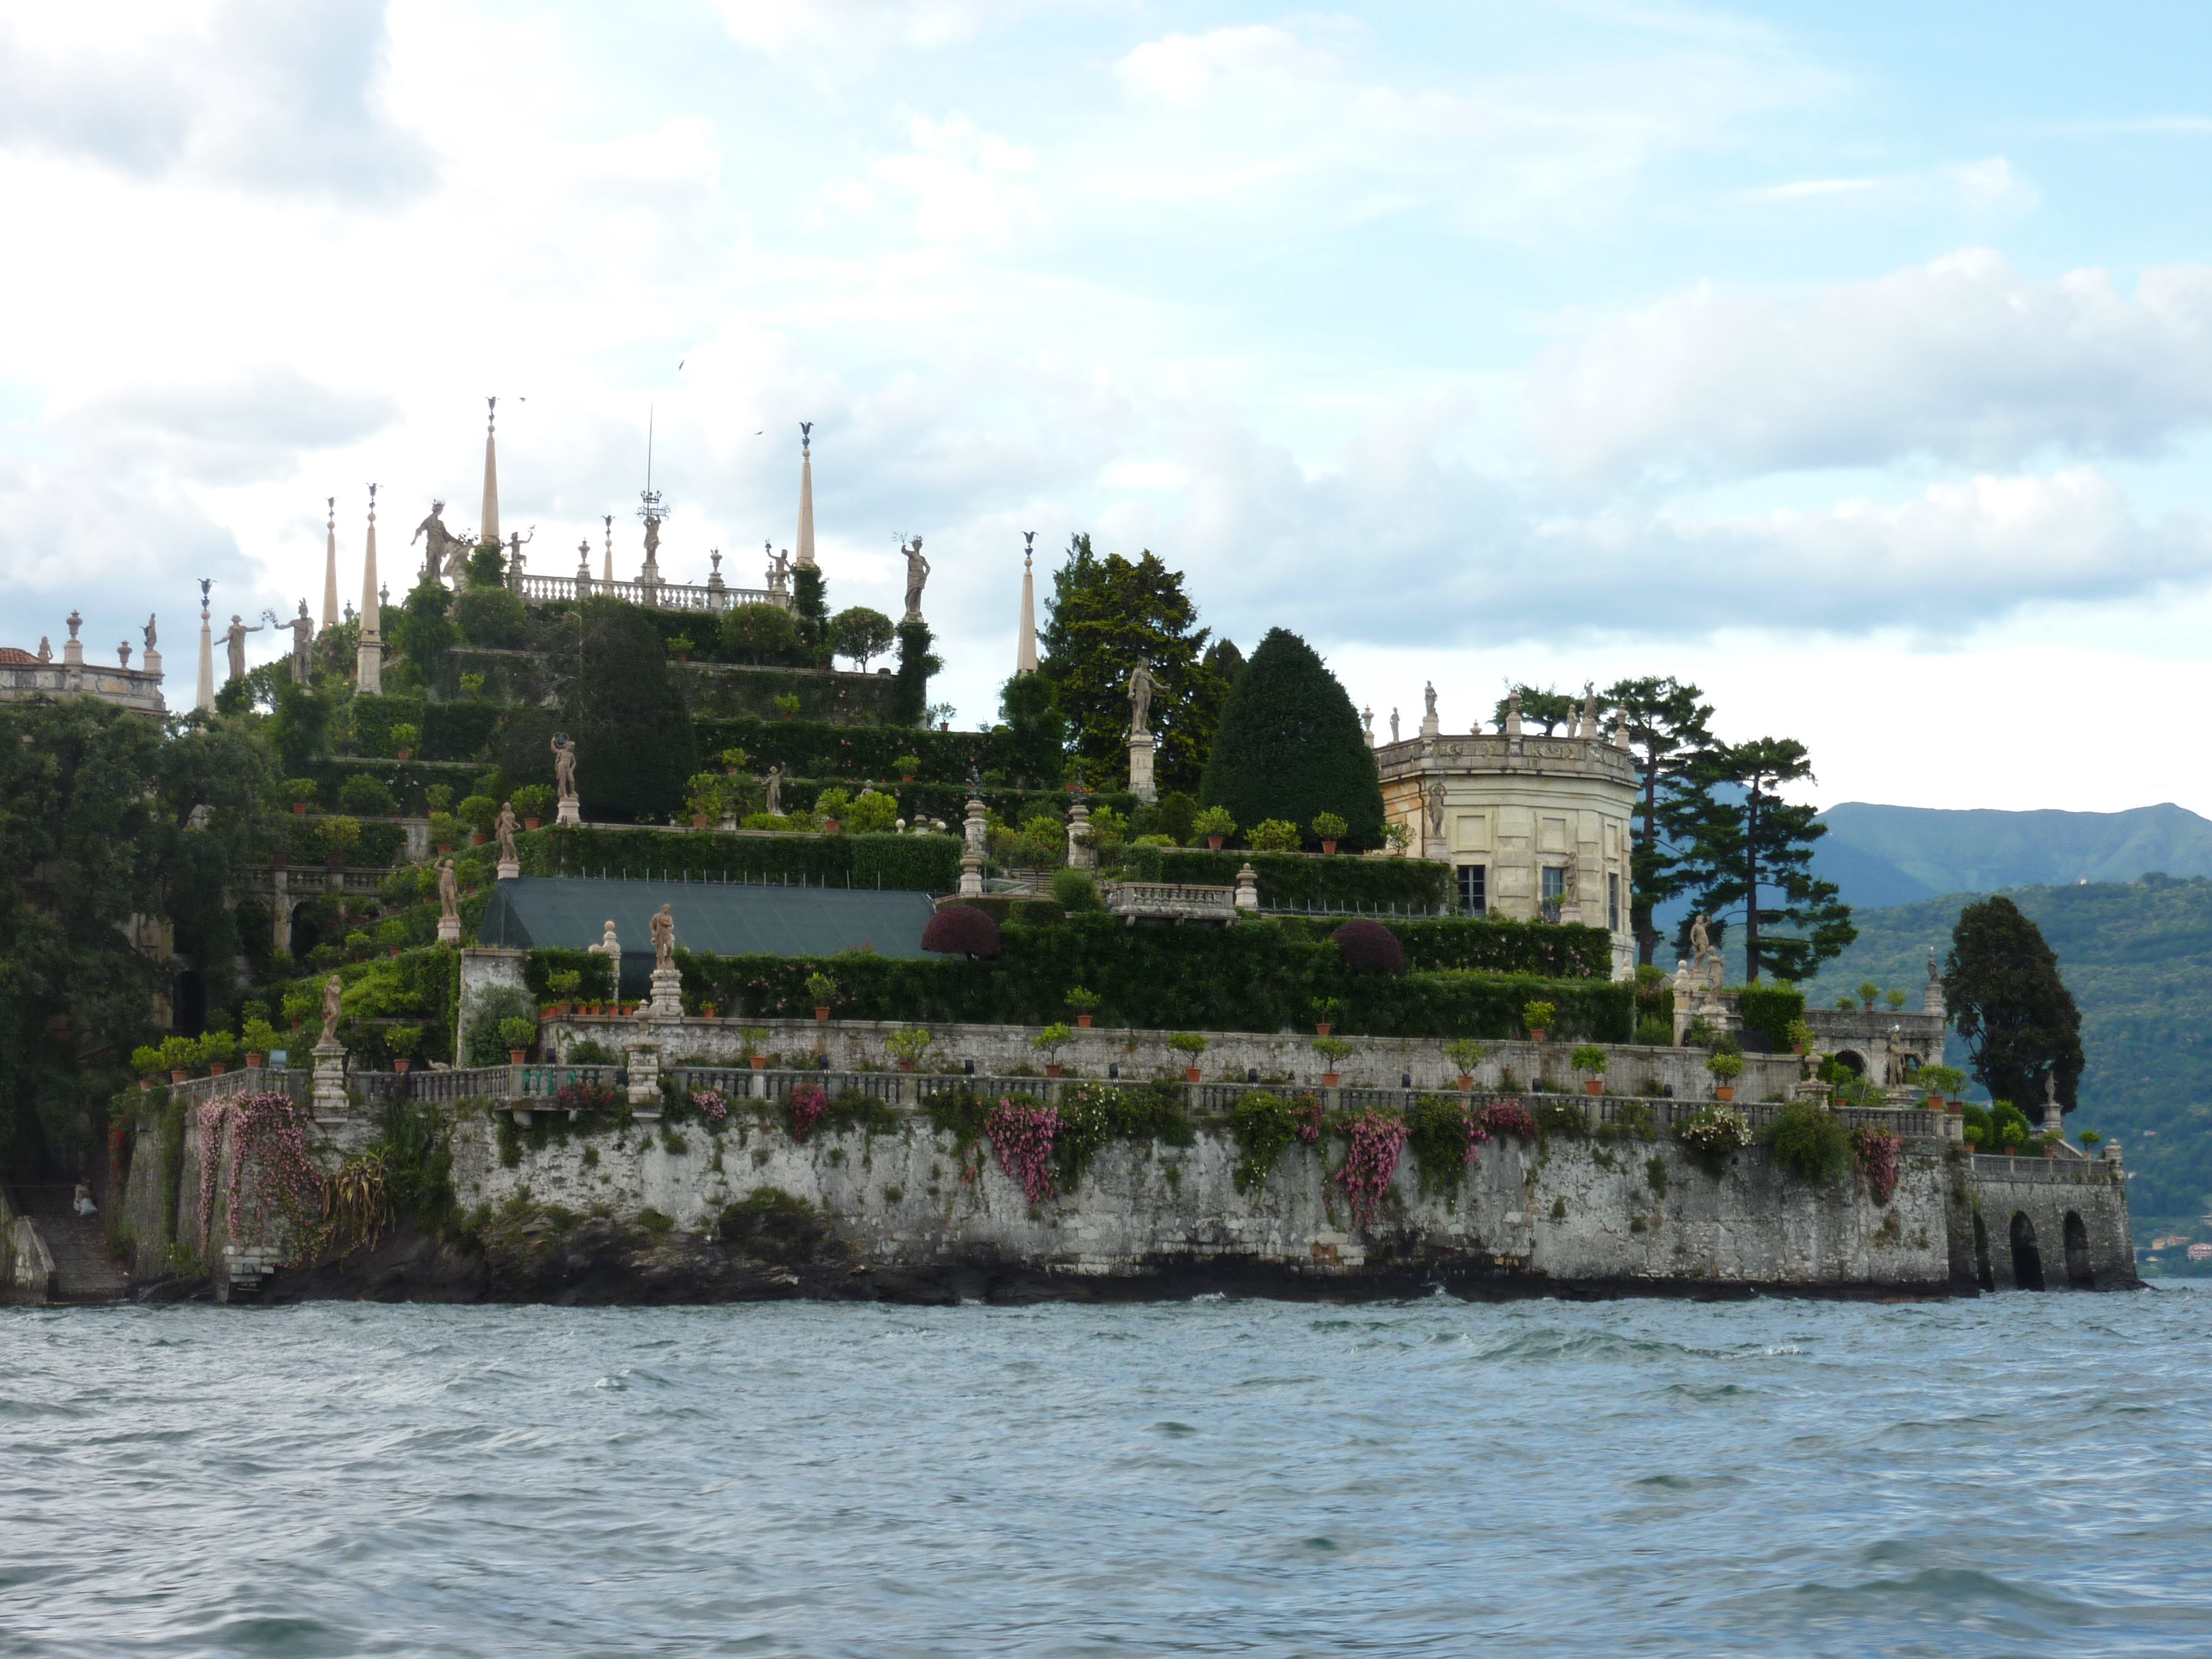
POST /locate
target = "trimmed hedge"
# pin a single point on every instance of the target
(1255, 976)
(1768, 1009)
(1499, 946)
(1293, 880)
(722, 692)
(816, 748)
(922, 864)
(383, 844)
(451, 730)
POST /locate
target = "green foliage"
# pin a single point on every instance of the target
(860, 633)
(1104, 614)
(824, 748)
(1590, 1058)
(1289, 745)
(1275, 835)
(1539, 1016)
(424, 628)
(517, 1032)
(1726, 1067)
(2001, 984)
(633, 739)
(1654, 1031)
(1466, 1055)
(1034, 742)
(493, 618)
(1264, 1126)
(914, 863)
(1292, 881)
(1074, 889)
(1667, 730)
(764, 635)
(809, 607)
(1943, 1080)
(1214, 821)
(1178, 815)
(1051, 1040)
(1332, 1049)
(1749, 847)
(1092, 1115)
(1773, 1008)
(368, 796)
(1437, 1133)
(1188, 1043)
(1330, 826)
(1806, 1141)
(488, 1016)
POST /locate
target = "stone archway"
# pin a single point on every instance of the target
(2079, 1273)
(2026, 1260)
(1983, 1276)
(1852, 1061)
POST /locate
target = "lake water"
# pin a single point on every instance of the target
(2022, 1474)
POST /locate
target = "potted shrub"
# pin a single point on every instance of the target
(1330, 828)
(823, 990)
(911, 1044)
(1048, 1043)
(1973, 1137)
(1538, 1017)
(217, 1050)
(480, 813)
(401, 1042)
(1332, 1050)
(563, 986)
(533, 801)
(906, 766)
(749, 1041)
(1726, 1069)
(518, 1034)
(1215, 825)
(788, 705)
(404, 738)
(1325, 1012)
(301, 792)
(1868, 991)
(1086, 1004)
(733, 762)
(260, 1036)
(1274, 836)
(340, 836)
(179, 1054)
(445, 831)
(707, 1010)
(2090, 1140)
(1590, 1060)
(1192, 1044)
(146, 1060)
(703, 796)
(1942, 1081)
(1799, 1034)
(682, 645)
(1466, 1055)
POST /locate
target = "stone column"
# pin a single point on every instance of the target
(1081, 855)
(1140, 768)
(667, 999)
(449, 930)
(329, 1096)
(1248, 889)
(644, 1058)
(368, 660)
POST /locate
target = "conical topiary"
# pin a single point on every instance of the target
(1289, 745)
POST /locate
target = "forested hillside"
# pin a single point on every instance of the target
(2138, 957)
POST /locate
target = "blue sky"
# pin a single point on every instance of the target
(1853, 362)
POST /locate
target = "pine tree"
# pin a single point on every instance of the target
(2000, 984)
(1289, 745)
(1038, 731)
(1666, 732)
(1749, 847)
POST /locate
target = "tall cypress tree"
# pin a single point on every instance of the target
(1289, 745)
(2000, 984)
(635, 750)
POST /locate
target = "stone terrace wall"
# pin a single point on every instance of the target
(2046, 1194)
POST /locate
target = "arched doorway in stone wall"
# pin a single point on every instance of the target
(2079, 1273)
(2026, 1260)
(1983, 1276)
(1852, 1061)
(188, 1001)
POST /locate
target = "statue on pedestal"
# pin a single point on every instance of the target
(449, 892)
(664, 938)
(775, 790)
(504, 829)
(443, 552)
(303, 646)
(333, 989)
(564, 766)
(234, 636)
(917, 573)
(779, 569)
(1394, 725)
(1140, 699)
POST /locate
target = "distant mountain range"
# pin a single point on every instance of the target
(1889, 855)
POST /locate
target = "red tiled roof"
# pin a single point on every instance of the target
(11, 656)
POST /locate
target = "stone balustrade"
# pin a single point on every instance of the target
(659, 596)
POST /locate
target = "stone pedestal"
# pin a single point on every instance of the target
(1248, 890)
(568, 812)
(667, 1000)
(644, 1059)
(329, 1096)
(1081, 855)
(1431, 726)
(1140, 768)
(509, 870)
(972, 873)
(449, 930)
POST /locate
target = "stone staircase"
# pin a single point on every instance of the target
(83, 1269)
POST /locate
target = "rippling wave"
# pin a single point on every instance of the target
(2019, 1474)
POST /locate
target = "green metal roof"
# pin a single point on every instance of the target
(537, 912)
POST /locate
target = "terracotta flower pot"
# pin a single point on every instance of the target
(1329, 847)
(145, 1086)
(1322, 1029)
(300, 808)
(707, 1010)
(1796, 1048)
(1083, 1022)
(698, 820)
(476, 838)
(282, 858)
(253, 1062)
(1466, 1083)
(821, 1014)
(176, 1077)
(905, 777)
(336, 861)
(1052, 1068)
(1190, 1074)
(444, 848)
(1214, 842)
(394, 949)
(406, 754)
(514, 1055)
(1724, 1091)
(531, 823)
(830, 826)
(759, 1061)
(1328, 1079)
(400, 1063)
(1049, 1071)
(1537, 1035)
(1594, 1086)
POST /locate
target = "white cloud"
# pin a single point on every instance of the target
(1962, 360)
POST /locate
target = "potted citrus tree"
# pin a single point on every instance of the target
(1191, 1045)
(1086, 1004)
(404, 739)
(1215, 825)
(1726, 1069)
(751, 1043)
(1326, 1010)
(1466, 1053)
(823, 990)
(1538, 1017)
(1590, 1060)
(1048, 1043)
(1799, 1034)
(907, 766)
(518, 1034)
(217, 1050)
(401, 1042)
(260, 1037)
(1329, 829)
(909, 1046)
(1332, 1050)
(1942, 1081)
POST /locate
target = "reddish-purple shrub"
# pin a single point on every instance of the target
(1508, 1117)
(961, 930)
(1377, 1137)
(1022, 1135)
(808, 1102)
(1369, 947)
(1879, 1155)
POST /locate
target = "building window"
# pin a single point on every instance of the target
(1475, 890)
(1555, 888)
(1612, 901)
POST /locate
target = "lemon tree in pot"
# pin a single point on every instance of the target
(1726, 1069)
(1192, 1045)
(1590, 1060)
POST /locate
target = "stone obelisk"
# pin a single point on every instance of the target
(369, 662)
(1025, 660)
(488, 536)
(331, 567)
(805, 558)
(204, 698)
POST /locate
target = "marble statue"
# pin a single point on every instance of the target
(1394, 725)
(449, 890)
(775, 790)
(664, 938)
(515, 542)
(152, 640)
(1590, 709)
(1429, 699)
(778, 568)
(443, 552)
(504, 829)
(235, 635)
(303, 646)
(564, 767)
(1140, 699)
(1701, 941)
(917, 573)
(1435, 805)
(652, 540)
(333, 989)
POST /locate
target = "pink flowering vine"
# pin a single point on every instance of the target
(1022, 1136)
(271, 1174)
(1377, 1139)
(1879, 1156)
(808, 1102)
(711, 1105)
(1308, 1117)
(1508, 1117)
